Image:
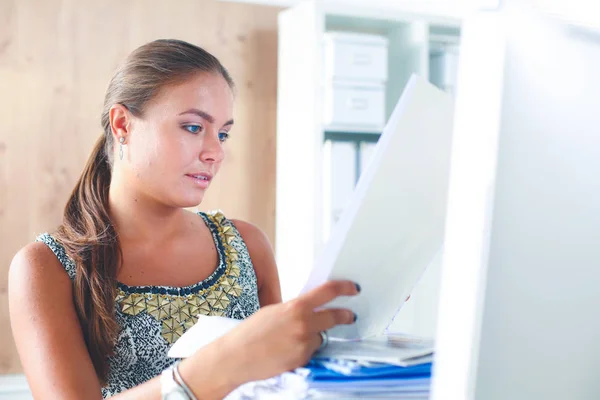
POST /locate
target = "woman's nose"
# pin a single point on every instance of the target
(212, 149)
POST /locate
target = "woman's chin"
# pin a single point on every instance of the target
(183, 197)
(188, 201)
(192, 201)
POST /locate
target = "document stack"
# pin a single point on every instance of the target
(393, 366)
(397, 367)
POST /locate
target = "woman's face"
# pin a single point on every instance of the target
(176, 148)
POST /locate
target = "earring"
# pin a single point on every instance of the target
(121, 141)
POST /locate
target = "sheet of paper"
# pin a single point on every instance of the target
(393, 225)
(206, 330)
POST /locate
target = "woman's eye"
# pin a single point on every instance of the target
(193, 128)
(223, 136)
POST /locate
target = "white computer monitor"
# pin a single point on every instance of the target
(520, 293)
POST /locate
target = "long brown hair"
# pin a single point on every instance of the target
(86, 231)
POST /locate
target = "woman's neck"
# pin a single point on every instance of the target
(138, 218)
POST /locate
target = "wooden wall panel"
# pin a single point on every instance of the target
(56, 58)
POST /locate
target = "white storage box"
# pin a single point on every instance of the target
(354, 107)
(356, 56)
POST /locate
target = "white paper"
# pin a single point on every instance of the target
(205, 331)
(393, 225)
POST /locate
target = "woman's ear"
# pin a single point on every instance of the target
(120, 122)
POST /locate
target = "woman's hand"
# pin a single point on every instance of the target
(281, 337)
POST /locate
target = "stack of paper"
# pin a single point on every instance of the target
(397, 367)
(379, 350)
(322, 379)
(348, 379)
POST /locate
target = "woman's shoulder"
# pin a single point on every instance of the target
(252, 234)
(261, 253)
(247, 230)
(38, 254)
(36, 265)
(255, 239)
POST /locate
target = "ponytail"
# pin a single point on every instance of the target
(91, 241)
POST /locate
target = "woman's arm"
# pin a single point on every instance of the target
(263, 260)
(55, 359)
(46, 328)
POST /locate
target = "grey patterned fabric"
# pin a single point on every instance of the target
(141, 350)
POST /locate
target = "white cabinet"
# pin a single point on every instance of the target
(341, 71)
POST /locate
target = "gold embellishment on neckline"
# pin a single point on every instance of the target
(228, 234)
(218, 299)
(178, 313)
(133, 304)
(231, 287)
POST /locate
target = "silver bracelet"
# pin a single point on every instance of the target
(181, 382)
(170, 389)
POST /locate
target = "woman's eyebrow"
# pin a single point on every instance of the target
(205, 115)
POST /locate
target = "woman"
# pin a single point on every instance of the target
(95, 306)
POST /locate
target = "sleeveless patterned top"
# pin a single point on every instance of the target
(152, 318)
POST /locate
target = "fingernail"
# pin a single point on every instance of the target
(357, 287)
(355, 317)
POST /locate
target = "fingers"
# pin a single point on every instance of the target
(325, 320)
(327, 292)
(314, 320)
(329, 318)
